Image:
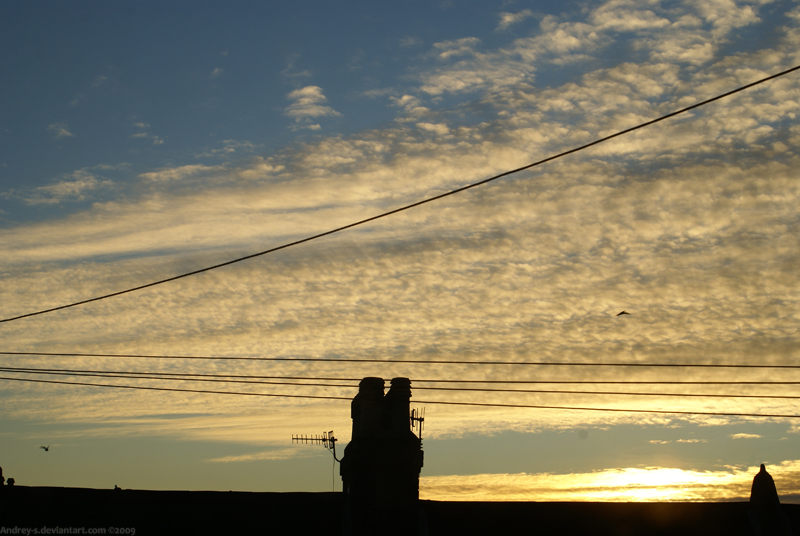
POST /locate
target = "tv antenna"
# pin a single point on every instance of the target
(326, 439)
(417, 420)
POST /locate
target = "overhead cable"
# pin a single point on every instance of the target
(441, 402)
(409, 206)
(415, 380)
(415, 361)
(173, 378)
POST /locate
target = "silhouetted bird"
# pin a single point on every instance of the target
(623, 313)
(46, 449)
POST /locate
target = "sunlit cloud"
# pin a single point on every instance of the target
(745, 436)
(645, 484)
(690, 226)
(277, 454)
(61, 130)
(308, 104)
(144, 134)
(507, 19)
(179, 173)
(79, 185)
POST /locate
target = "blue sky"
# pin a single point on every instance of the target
(143, 140)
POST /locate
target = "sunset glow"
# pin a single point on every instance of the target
(647, 484)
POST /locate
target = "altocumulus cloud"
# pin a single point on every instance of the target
(745, 436)
(507, 19)
(693, 225)
(308, 104)
(61, 130)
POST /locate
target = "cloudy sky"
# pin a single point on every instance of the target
(140, 141)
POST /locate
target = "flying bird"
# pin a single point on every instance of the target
(623, 313)
(46, 449)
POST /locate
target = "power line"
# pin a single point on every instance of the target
(203, 375)
(176, 378)
(409, 206)
(414, 361)
(620, 410)
(204, 391)
(442, 402)
(415, 380)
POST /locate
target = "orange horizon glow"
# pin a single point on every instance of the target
(632, 484)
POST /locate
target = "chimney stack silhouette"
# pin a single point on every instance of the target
(381, 464)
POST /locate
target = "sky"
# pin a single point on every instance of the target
(144, 140)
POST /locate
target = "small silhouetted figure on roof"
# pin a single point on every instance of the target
(623, 313)
(764, 492)
(2, 478)
(766, 514)
(46, 449)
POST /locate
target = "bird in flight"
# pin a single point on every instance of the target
(623, 313)
(46, 449)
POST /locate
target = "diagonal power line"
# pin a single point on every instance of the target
(409, 206)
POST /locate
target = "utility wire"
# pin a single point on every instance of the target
(476, 404)
(175, 389)
(154, 376)
(414, 380)
(409, 206)
(157, 376)
(709, 413)
(414, 361)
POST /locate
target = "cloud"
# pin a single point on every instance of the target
(434, 128)
(745, 436)
(646, 484)
(143, 134)
(77, 186)
(275, 454)
(292, 74)
(692, 225)
(410, 41)
(179, 173)
(726, 16)
(231, 147)
(691, 35)
(217, 72)
(412, 106)
(624, 16)
(507, 19)
(61, 191)
(308, 104)
(465, 46)
(100, 80)
(61, 130)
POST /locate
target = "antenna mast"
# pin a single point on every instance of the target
(326, 439)
(417, 420)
